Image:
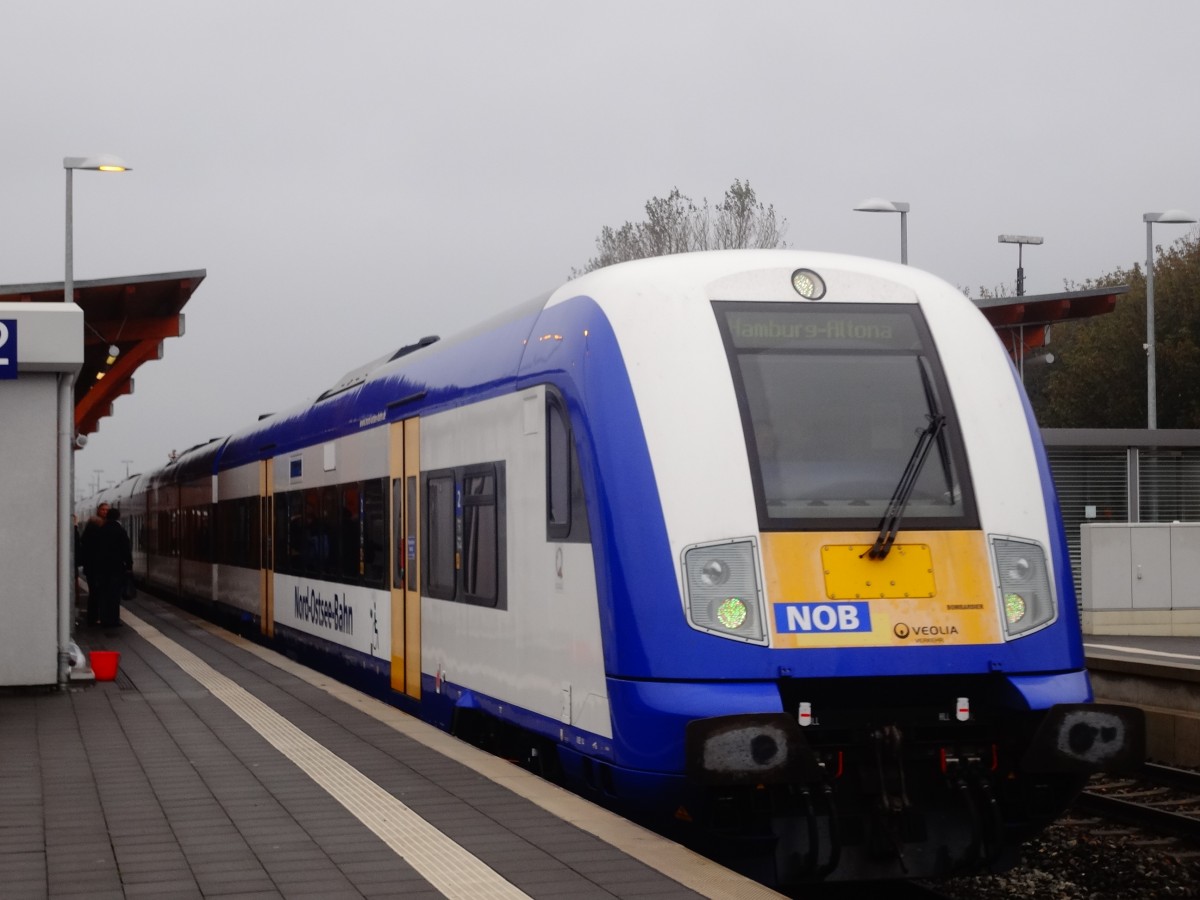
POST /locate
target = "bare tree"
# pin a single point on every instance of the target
(675, 224)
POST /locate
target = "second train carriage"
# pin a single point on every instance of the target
(761, 544)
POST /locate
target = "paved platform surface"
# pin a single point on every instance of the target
(214, 768)
(1181, 652)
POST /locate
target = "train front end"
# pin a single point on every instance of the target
(876, 670)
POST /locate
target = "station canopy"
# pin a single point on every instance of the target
(1023, 323)
(133, 314)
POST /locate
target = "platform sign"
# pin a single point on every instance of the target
(8, 348)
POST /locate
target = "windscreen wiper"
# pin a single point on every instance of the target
(931, 434)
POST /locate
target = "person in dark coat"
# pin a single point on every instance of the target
(88, 556)
(113, 562)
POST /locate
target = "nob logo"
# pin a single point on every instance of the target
(901, 630)
(812, 618)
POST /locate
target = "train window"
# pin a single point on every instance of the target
(374, 518)
(286, 552)
(330, 530)
(410, 538)
(481, 544)
(558, 471)
(398, 555)
(566, 513)
(440, 556)
(464, 536)
(833, 400)
(237, 532)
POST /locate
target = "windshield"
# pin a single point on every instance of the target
(834, 400)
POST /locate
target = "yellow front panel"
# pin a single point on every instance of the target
(822, 592)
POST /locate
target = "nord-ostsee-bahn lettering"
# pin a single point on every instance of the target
(333, 613)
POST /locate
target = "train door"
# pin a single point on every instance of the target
(404, 468)
(266, 493)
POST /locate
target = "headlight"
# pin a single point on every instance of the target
(723, 596)
(1025, 593)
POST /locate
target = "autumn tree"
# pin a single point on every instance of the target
(1098, 379)
(676, 224)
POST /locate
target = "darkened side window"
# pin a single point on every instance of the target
(558, 471)
(286, 554)
(374, 518)
(237, 528)
(440, 566)
(481, 518)
(464, 535)
(566, 512)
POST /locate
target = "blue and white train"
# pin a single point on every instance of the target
(758, 546)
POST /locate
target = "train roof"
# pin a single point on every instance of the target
(431, 373)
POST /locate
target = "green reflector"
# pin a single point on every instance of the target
(731, 613)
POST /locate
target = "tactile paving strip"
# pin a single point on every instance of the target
(441, 861)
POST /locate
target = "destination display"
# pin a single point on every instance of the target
(794, 327)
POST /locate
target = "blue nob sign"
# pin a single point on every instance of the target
(8, 348)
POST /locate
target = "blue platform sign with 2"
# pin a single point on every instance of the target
(8, 348)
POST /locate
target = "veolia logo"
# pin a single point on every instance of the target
(903, 630)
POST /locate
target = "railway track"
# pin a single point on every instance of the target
(1158, 798)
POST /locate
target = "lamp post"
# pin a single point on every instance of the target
(1171, 216)
(1020, 240)
(66, 429)
(88, 164)
(878, 204)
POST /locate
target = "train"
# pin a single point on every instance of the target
(758, 547)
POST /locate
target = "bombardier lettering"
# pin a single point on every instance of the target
(808, 618)
(335, 614)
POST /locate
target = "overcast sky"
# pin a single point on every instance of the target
(355, 175)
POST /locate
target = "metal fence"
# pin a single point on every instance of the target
(1123, 475)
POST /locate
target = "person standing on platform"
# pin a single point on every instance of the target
(114, 563)
(89, 555)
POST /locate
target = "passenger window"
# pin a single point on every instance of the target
(374, 531)
(558, 471)
(464, 537)
(480, 539)
(566, 511)
(440, 565)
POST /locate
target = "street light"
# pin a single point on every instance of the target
(878, 204)
(1174, 217)
(1020, 240)
(66, 428)
(104, 163)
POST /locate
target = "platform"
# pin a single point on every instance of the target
(212, 767)
(1164, 650)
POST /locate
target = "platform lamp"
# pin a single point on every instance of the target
(88, 164)
(66, 428)
(1174, 217)
(878, 204)
(1020, 240)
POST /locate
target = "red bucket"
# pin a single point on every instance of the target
(104, 664)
